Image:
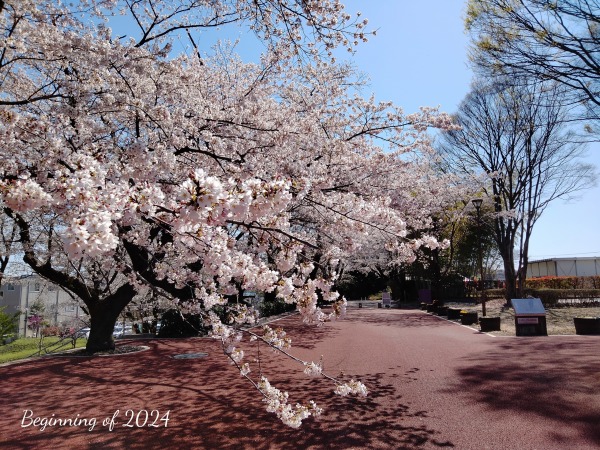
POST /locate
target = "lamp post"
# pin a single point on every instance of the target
(477, 204)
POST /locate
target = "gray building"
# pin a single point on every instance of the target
(30, 292)
(564, 267)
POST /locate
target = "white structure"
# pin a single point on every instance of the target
(59, 308)
(564, 267)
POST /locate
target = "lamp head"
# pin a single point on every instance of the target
(477, 203)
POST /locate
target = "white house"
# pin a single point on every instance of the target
(564, 267)
(20, 294)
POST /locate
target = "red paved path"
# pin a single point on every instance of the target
(433, 384)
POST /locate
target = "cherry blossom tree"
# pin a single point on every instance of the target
(430, 202)
(129, 166)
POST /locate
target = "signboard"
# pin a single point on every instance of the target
(527, 320)
(528, 307)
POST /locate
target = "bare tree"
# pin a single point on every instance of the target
(541, 39)
(517, 137)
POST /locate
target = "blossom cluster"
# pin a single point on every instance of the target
(24, 195)
(277, 402)
(313, 369)
(277, 338)
(352, 387)
(132, 167)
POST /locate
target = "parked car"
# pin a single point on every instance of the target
(121, 330)
(118, 331)
(84, 332)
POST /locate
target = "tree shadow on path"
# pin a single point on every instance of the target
(210, 406)
(557, 381)
(396, 318)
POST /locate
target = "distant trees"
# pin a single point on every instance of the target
(8, 323)
(466, 234)
(516, 138)
(540, 40)
(430, 196)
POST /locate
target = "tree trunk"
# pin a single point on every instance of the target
(510, 279)
(396, 283)
(435, 273)
(101, 332)
(103, 316)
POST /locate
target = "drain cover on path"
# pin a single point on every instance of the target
(198, 355)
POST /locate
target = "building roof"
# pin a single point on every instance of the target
(577, 258)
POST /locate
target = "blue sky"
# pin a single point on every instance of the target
(419, 58)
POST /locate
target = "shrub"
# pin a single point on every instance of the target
(551, 282)
(8, 322)
(495, 293)
(549, 297)
(175, 325)
(274, 307)
(51, 331)
(66, 332)
(580, 294)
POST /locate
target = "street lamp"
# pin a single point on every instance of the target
(477, 204)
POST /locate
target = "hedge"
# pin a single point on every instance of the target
(550, 297)
(273, 307)
(550, 282)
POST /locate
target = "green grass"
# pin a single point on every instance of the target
(26, 347)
